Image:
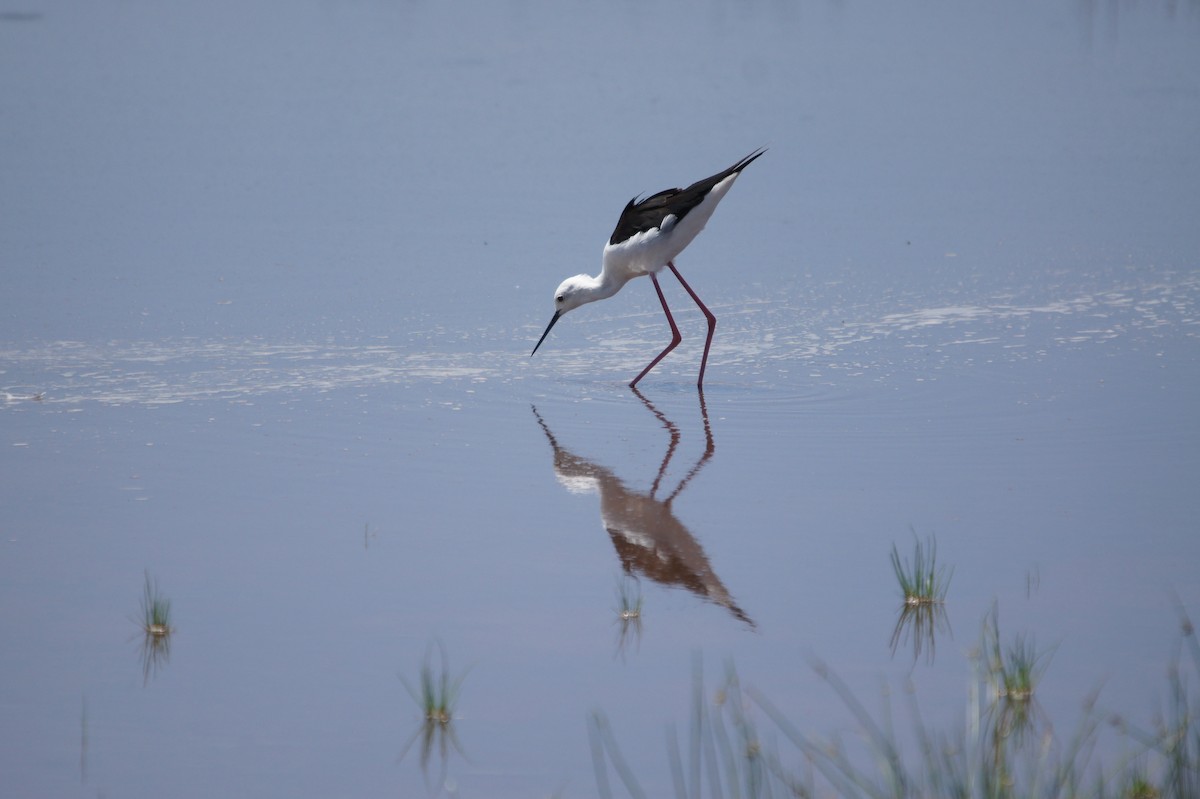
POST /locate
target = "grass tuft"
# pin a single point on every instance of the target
(923, 586)
(156, 610)
(437, 697)
(629, 614)
(730, 755)
(922, 581)
(155, 622)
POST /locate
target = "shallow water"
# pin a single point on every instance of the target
(272, 276)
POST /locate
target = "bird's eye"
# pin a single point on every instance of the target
(560, 298)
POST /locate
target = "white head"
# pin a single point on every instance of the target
(570, 294)
(573, 292)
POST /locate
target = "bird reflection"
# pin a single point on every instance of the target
(649, 539)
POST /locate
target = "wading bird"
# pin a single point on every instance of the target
(649, 235)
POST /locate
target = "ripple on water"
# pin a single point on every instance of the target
(776, 355)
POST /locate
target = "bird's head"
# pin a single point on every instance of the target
(570, 294)
(573, 292)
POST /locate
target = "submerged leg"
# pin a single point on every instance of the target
(675, 337)
(712, 321)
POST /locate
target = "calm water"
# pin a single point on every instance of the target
(272, 275)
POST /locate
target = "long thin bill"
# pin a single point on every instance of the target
(553, 319)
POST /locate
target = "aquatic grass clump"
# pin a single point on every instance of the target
(735, 758)
(155, 622)
(438, 693)
(725, 749)
(1174, 736)
(1012, 714)
(155, 610)
(922, 581)
(1019, 670)
(923, 586)
(629, 599)
(1138, 786)
(1179, 737)
(437, 698)
(1013, 674)
(629, 613)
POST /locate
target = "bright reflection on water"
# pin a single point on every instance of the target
(272, 273)
(760, 340)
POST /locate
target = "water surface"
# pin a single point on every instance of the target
(272, 276)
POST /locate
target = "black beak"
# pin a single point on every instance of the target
(553, 319)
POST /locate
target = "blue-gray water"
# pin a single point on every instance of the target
(272, 272)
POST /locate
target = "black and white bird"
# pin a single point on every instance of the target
(649, 236)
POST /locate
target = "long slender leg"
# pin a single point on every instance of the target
(675, 337)
(712, 321)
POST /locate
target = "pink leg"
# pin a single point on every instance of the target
(712, 321)
(675, 337)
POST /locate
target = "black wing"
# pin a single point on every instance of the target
(650, 212)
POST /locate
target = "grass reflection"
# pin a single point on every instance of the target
(923, 585)
(436, 695)
(920, 625)
(155, 622)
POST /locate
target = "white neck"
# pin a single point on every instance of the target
(600, 287)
